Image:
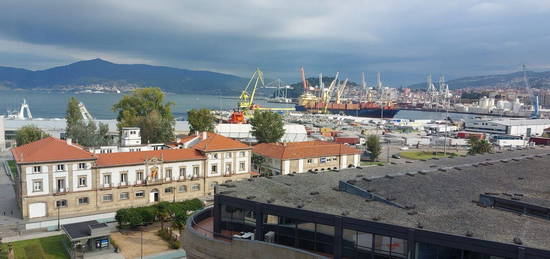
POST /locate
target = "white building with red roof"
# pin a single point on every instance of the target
(57, 176)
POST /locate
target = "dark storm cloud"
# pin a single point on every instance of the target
(402, 39)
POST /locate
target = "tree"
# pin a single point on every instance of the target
(373, 146)
(200, 120)
(478, 146)
(28, 134)
(258, 161)
(267, 126)
(145, 108)
(85, 133)
(73, 118)
(179, 220)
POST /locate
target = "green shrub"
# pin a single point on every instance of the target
(174, 244)
(134, 217)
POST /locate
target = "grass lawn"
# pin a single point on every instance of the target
(417, 155)
(13, 168)
(367, 163)
(47, 248)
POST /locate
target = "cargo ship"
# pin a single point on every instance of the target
(309, 103)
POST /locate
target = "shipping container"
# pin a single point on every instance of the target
(540, 141)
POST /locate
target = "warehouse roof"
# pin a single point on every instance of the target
(441, 195)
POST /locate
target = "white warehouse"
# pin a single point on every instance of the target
(514, 127)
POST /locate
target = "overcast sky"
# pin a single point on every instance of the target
(404, 40)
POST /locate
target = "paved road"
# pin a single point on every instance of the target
(9, 211)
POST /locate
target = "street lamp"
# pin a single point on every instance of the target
(174, 193)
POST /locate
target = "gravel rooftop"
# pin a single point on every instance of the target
(441, 191)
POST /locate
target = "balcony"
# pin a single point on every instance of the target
(60, 191)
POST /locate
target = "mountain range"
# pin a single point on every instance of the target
(100, 73)
(511, 80)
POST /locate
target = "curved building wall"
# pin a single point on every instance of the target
(200, 246)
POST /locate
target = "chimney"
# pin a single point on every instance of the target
(204, 135)
(69, 141)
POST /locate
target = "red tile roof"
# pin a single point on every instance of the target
(49, 149)
(305, 149)
(215, 142)
(139, 157)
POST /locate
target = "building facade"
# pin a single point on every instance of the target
(308, 156)
(60, 179)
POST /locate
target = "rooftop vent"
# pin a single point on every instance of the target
(412, 212)
(366, 179)
(420, 225)
(410, 174)
(299, 206)
(517, 241)
(389, 176)
(433, 166)
(251, 197)
(345, 213)
(270, 200)
(410, 207)
(376, 218)
(287, 184)
(469, 233)
(314, 193)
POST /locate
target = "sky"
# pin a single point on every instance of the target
(404, 40)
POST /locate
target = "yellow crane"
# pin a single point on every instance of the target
(328, 92)
(246, 101)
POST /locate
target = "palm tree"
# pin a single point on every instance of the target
(478, 146)
(179, 220)
(162, 213)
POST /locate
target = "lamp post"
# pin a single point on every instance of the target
(174, 193)
(141, 241)
(58, 219)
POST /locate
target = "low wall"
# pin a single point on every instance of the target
(199, 246)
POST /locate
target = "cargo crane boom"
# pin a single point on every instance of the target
(534, 96)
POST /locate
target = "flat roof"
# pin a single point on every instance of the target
(440, 192)
(81, 229)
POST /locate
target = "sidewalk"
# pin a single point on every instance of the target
(31, 236)
(174, 254)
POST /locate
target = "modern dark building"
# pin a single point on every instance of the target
(484, 207)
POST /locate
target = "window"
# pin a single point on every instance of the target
(168, 189)
(37, 169)
(61, 203)
(107, 179)
(309, 161)
(82, 181)
(124, 195)
(214, 168)
(182, 171)
(81, 165)
(124, 177)
(228, 155)
(195, 171)
(196, 187)
(242, 166)
(83, 200)
(107, 197)
(242, 154)
(140, 194)
(169, 173)
(139, 175)
(182, 188)
(60, 167)
(323, 160)
(37, 185)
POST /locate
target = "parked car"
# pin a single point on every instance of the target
(396, 156)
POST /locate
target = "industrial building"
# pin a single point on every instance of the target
(242, 132)
(491, 206)
(506, 126)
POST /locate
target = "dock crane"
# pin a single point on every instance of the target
(534, 96)
(246, 99)
(340, 91)
(328, 91)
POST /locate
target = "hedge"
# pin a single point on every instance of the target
(134, 217)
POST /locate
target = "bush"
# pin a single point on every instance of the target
(164, 234)
(174, 244)
(134, 217)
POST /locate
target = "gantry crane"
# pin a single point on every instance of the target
(246, 100)
(534, 96)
